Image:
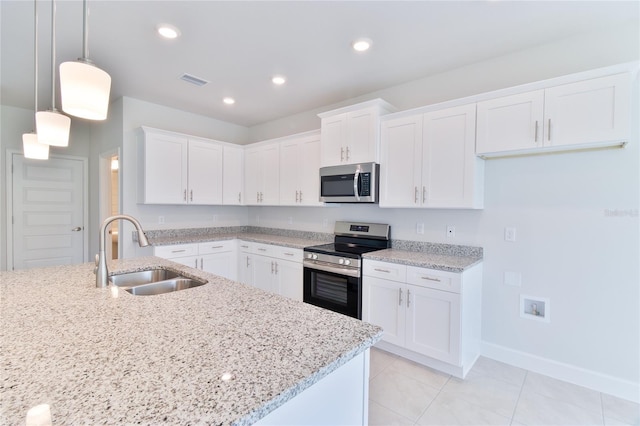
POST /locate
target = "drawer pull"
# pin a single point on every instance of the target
(178, 251)
(288, 254)
(216, 247)
(262, 249)
(382, 270)
(431, 279)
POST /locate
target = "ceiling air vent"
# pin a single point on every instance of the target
(193, 79)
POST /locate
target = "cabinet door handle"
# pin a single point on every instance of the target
(272, 267)
(201, 263)
(431, 279)
(549, 129)
(399, 297)
(79, 228)
(276, 263)
(341, 153)
(178, 251)
(300, 196)
(382, 270)
(347, 153)
(261, 197)
(296, 196)
(239, 194)
(247, 261)
(184, 195)
(424, 194)
(191, 195)
(196, 264)
(535, 136)
(257, 197)
(415, 195)
(408, 298)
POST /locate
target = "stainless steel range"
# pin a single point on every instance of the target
(333, 272)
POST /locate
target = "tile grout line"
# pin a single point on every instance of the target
(602, 408)
(515, 408)
(433, 400)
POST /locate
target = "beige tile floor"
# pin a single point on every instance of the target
(404, 393)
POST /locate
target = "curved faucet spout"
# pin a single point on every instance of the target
(101, 259)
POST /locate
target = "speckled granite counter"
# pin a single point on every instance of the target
(281, 237)
(444, 257)
(103, 357)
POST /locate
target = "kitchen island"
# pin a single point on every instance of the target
(104, 356)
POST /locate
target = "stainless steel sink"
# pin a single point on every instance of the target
(131, 279)
(153, 281)
(167, 286)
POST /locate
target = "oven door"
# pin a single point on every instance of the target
(331, 288)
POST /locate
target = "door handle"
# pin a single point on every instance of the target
(77, 229)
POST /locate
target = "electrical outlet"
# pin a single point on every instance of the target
(510, 234)
(451, 231)
(419, 228)
(160, 220)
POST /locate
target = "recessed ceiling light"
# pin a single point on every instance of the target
(361, 44)
(278, 80)
(168, 31)
(229, 101)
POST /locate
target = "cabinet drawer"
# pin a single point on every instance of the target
(264, 249)
(216, 246)
(177, 250)
(245, 247)
(287, 253)
(389, 271)
(430, 278)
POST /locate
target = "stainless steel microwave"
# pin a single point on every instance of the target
(350, 183)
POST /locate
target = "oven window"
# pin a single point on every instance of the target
(330, 288)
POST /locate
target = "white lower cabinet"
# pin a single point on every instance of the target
(278, 270)
(429, 316)
(217, 257)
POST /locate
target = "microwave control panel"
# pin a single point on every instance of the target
(365, 184)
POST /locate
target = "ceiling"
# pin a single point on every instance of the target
(239, 45)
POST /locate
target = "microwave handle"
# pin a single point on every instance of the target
(356, 178)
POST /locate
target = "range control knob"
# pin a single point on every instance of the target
(341, 261)
(314, 256)
(347, 262)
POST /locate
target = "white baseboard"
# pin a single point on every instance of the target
(604, 383)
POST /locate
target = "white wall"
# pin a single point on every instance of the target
(138, 113)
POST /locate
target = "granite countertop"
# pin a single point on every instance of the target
(103, 356)
(280, 240)
(423, 259)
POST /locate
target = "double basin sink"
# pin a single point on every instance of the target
(153, 281)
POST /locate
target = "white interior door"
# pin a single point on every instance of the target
(47, 212)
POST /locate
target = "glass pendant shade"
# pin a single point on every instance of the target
(34, 149)
(53, 128)
(84, 89)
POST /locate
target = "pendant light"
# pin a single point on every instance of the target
(84, 88)
(53, 127)
(30, 145)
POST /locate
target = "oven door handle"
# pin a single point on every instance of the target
(355, 273)
(356, 178)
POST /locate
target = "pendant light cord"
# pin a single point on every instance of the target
(35, 57)
(53, 55)
(85, 35)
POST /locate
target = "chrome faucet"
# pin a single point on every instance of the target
(101, 258)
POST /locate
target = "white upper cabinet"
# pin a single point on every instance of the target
(428, 160)
(205, 172)
(262, 175)
(351, 134)
(588, 113)
(452, 176)
(233, 175)
(177, 169)
(299, 165)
